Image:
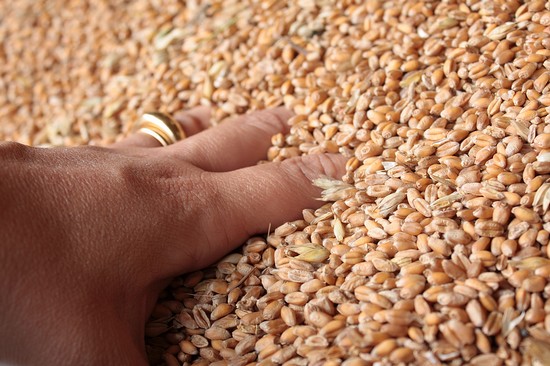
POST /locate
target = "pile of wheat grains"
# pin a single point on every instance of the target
(431, 250)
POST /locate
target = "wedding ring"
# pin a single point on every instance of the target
(161, 127)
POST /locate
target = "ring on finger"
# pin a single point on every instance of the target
(161, 127)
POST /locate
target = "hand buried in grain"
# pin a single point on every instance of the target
(90, 236)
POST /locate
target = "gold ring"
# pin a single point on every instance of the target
(161, 127)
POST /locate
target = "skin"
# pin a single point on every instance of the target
(90, 236)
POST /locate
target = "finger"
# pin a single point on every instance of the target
(234, 144)
(192, 121)
(137, 139)
(270, 194)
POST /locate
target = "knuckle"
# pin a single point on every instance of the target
(151, 178)
(192, 193)
(14, 150)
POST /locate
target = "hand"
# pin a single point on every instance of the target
(90, 236)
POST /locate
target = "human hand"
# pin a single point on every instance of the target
(91, 235)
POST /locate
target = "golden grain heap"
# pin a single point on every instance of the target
(432, 249)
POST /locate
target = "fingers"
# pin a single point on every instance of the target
(192, 121)
(137, 139)
(265, 194)
(234, 144)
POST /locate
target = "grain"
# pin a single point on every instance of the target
(432, 249)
